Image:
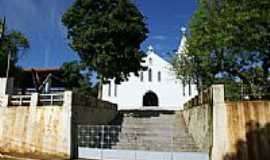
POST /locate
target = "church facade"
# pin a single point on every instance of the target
(155, 88)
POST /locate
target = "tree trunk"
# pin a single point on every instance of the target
(8, 64)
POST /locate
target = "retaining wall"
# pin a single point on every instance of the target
(47, 131)
(197, 122)
(248, 130)
(237, 130)
(35, 131)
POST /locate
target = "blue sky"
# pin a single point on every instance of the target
(40, 21)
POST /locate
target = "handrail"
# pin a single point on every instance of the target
(43, 99)
(20, 100)
(51, 99)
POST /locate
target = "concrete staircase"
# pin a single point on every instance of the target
(154, 130)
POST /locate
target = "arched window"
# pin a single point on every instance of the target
(115, 90)
(189, 89)
(150, 75)
(184, 89)
(141, 76)
(150, 61)
(159, 76)
(109, 89)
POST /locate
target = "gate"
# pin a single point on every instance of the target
(112, 142)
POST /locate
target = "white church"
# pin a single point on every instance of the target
(156, 88)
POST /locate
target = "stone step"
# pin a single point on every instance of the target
(153, 129)
(170, 146)
(159, 132)
(149, 144)
(164, 148)
(154, 135)
(157, 120)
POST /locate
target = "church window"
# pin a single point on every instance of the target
(184, 89)
(159, 76)
(115, 90)
(189, 89)
(141, 76)
(109, 90)
(150, 75)
(150, 61)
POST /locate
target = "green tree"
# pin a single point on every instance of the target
(75, 76)
(107, 35)
(227, 40)
(12, 43)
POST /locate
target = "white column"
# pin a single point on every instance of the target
(6, 88)
(4, 100)
(67, 100)
(34, 100)
(69, 125)
(220, 124)
(3, 86)
(31, 123)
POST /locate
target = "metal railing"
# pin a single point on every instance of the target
(51, 99)
(20, 100)
(43, 100)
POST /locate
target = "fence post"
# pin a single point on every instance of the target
(219, 124)
(218, 94)
(34, 100)
(4, 100)
(71, 127)
(67, 100)
(6, 89)
(6, 86)
(31, 120)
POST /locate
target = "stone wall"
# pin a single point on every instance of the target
(237, 130)
(197, 122)
(197, 114)
(88, 110)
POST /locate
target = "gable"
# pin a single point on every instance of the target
(157, 61)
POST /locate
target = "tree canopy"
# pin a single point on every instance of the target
(107, 35)
(75, 77)
(12, 42)
(227, 40)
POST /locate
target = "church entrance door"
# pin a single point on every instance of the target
(150, 99)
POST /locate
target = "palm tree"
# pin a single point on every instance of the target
(11, 44)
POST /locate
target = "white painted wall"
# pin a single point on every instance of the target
(169, 91)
